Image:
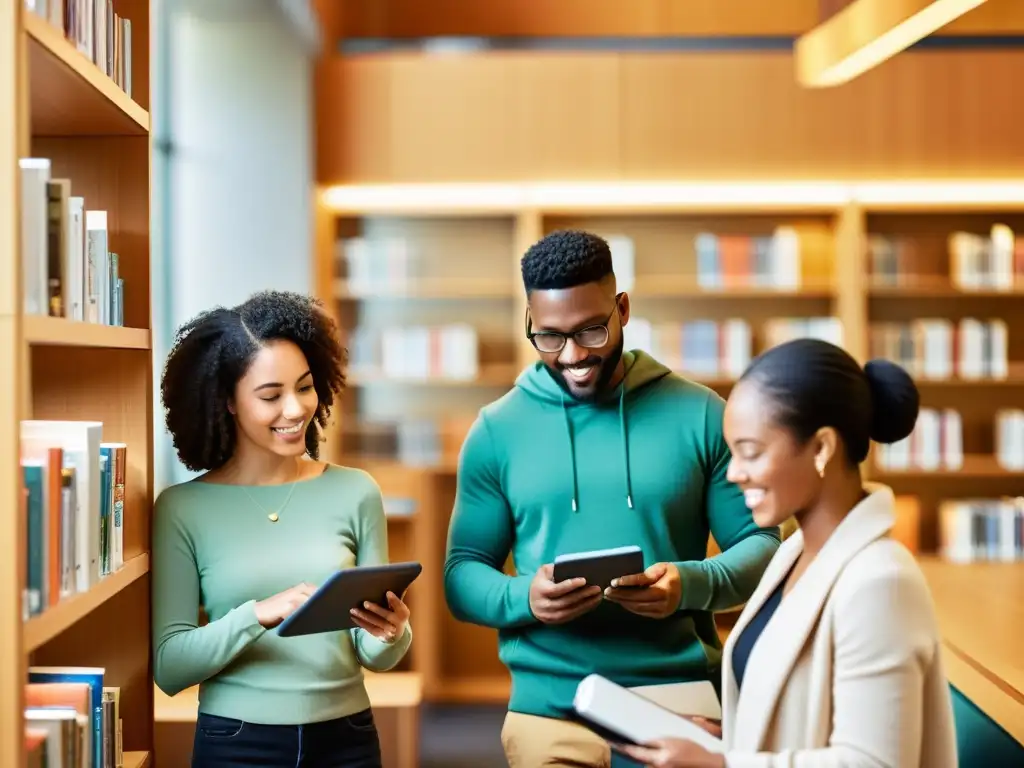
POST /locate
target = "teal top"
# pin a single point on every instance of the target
(213, 545)
(541, 474)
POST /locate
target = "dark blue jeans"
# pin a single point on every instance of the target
(347, 742)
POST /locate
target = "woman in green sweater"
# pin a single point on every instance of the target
(247, 392)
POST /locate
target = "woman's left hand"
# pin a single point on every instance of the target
(387, 623)
(671, 753)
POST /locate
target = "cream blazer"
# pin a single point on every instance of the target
(848, 671)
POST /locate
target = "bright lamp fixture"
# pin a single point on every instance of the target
(867, 32)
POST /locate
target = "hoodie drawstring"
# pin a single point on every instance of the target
(572, 454)
(625, 446)
(625, 451)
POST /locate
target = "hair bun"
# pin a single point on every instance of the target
(895, 401)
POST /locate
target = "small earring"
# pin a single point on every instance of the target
(820, 466)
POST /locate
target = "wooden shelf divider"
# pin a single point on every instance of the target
(52, 622)
(57, 331)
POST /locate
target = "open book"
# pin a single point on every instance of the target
(619, 714)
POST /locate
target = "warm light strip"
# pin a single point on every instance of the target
(867, 32)
(682, 196)
(427, 197)
(692, 195)
(950, 194)
(590, 195)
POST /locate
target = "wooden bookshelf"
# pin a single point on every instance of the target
(60, 105)
(466, 242)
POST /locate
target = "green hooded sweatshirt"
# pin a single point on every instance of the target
(542, 474)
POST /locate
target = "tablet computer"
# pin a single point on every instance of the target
(599, 566)
(328, 609)
(619, 714)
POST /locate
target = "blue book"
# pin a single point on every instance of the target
(93, 676)
(106, 504)
(35, 561)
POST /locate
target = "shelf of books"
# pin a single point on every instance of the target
(75, 669)
(424, 282)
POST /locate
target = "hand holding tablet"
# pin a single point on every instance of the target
(574, 584)
(558, 601)
(385, 622)
(654, 593)
(330, 608)
(601, 566)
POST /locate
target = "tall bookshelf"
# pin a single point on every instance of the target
(431, 254)
(64, 100)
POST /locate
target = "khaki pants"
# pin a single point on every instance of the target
(543, 742)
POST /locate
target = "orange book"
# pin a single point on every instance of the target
(54, 503)
(76, 696)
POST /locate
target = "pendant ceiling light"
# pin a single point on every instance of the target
(865, 33)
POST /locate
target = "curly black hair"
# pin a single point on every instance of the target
(564, 259)
(213, 350)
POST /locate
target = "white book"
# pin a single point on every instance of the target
(74, 269)
(972, 346)
(97, 266)
(927, 439)
(1007, 541)
(81, 443)
(786, 265)
(997, 348)
(633, 718)
(35, 173)
(623, 261)
(952, 439)
(639, 334)
(738, 346)
(1002, 257)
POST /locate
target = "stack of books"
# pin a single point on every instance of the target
(972, 530)
(699, 348)
(72, 719)
(732, 261)
(68, 268)
(416, 352)
(936, 444)
(937, 348)
(95, 29)
(72, 497)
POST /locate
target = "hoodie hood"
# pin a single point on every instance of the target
(641, 370)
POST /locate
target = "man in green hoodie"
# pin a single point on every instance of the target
(595, 448)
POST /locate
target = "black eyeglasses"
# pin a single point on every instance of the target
(591, 337)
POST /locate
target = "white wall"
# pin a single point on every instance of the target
(232, 199)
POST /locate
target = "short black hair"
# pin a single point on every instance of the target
(564, 259)
(813, 384)
(213, 350)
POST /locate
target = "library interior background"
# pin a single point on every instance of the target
(849, 170)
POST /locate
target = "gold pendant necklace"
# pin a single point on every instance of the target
(273, 516)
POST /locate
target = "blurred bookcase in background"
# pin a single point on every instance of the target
(424, 282)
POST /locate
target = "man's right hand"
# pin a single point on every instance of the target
(558, 603)
(277, 608)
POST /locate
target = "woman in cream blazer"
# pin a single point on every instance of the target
(835, 660)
